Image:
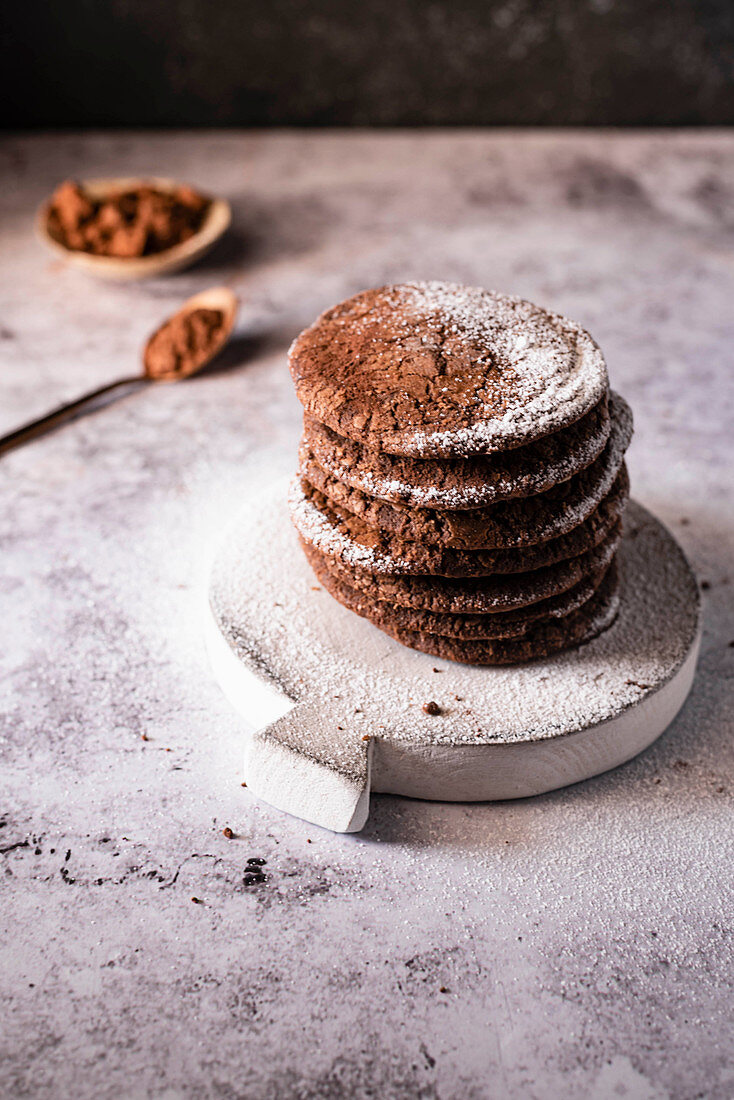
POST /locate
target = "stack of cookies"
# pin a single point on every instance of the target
(461, 473)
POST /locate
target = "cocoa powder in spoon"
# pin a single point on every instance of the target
(183, 344)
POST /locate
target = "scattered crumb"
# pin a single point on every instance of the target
(684, 521)
(197, 901)
(243, 784)
(705, 585)
(432, 708)
(366, 737)
(681, 765)
(438, 670)
(254, 877)
(144, 737)
(228, 833)
(442, 989)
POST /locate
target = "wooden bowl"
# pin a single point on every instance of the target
(215, 224)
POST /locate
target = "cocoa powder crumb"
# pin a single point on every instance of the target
(254, 878)
(197, 901)
(228, 833)
(431, 708)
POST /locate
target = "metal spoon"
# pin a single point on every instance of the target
(220, 298)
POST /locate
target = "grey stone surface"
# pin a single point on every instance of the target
(577, 944)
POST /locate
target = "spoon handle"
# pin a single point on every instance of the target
(64, 413)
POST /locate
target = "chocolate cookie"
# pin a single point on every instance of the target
(349, 540)
(580, 626)
(520, 522)
(461, 482)
(474, 595)
(437, 370)
(500, 624)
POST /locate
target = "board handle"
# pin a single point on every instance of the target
(290, 764)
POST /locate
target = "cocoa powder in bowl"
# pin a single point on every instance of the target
(184, 343)
(129, 223)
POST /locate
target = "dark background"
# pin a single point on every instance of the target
(377, 63)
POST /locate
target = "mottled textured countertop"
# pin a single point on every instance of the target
(575, 945)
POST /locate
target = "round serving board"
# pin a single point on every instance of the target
(337, 706)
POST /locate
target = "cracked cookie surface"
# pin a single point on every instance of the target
(498, 624)
(588, 621)
(349, 540)
(510, 523)
(474, 595)
(461, 483)
(442, 370)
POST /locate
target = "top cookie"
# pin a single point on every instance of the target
(438, 370)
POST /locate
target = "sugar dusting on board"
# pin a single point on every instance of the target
(277, 619)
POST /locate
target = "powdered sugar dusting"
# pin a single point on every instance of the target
(319, 531)
(558, 371)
